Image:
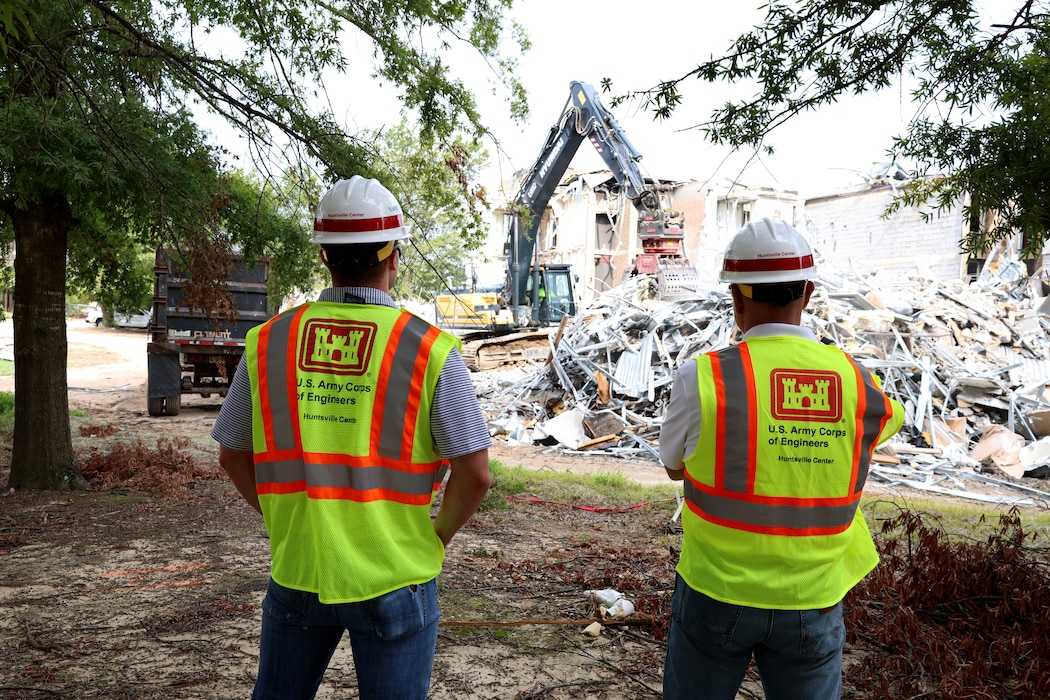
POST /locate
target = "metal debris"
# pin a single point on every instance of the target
(968, 361)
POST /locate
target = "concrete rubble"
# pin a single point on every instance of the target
(970, 362)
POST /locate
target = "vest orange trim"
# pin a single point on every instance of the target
(418, 376)
(871, 422)
(730, 500)
(273, 349)
(281, 489)
(720, 424)
(393, 361)
(385, 368)
(387, 472)
(292, 390)
(264, 384)
(858, 438)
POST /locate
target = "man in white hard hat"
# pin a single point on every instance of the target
(772, 438)
(338, 428)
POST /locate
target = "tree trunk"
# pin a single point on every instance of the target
(42, 453)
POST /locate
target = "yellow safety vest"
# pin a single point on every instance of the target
(345, 461)
(775, 481)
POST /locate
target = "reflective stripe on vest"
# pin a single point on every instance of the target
(731, 500)
(388, 472)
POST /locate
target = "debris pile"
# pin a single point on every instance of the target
(970, 362)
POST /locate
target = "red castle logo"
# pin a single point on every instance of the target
(337, 347)
(809, 395)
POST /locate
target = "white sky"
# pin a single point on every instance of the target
(636, 44)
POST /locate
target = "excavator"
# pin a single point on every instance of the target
(511, 325)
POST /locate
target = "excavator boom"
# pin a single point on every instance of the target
(536, 296)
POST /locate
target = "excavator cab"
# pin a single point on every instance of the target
(554, 295)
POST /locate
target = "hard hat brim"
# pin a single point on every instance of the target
(328, 234)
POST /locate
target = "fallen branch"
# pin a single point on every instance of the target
(173, 584)
(30, 689)
(569, 684)
(31, 640)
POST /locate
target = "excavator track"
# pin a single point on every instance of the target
(495, 352)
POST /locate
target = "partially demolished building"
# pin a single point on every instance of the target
(590, 224)
(969, 361)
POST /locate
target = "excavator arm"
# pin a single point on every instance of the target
(537, 294)
(584, 116)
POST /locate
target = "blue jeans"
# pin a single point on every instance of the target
(392, 638)
(710, 644)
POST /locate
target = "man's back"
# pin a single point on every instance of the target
(347, 465)
(771, 439)
(774, 483)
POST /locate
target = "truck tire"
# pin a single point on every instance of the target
(172, 404)
(164, 405)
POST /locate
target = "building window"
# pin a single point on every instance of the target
(604, 233)
(603, 273)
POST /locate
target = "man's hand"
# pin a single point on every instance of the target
(676, 474)
(467, 485)
(240, 466)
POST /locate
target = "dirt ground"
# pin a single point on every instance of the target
(119, 594)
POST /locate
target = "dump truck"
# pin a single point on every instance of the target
(196, 352)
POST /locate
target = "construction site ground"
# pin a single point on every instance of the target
(151, 588)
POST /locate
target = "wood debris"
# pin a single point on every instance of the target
(961, 358)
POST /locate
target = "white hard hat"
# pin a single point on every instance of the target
(767, 251)
(358, 210)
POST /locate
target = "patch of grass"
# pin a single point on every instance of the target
(597, 490)
(88, 553)
(482, 553)
(7, 405)
(235, 581)
(536, 641)
(958, 521)
(505, 482)
(7, 368)
(7, 408)
(466, 602)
